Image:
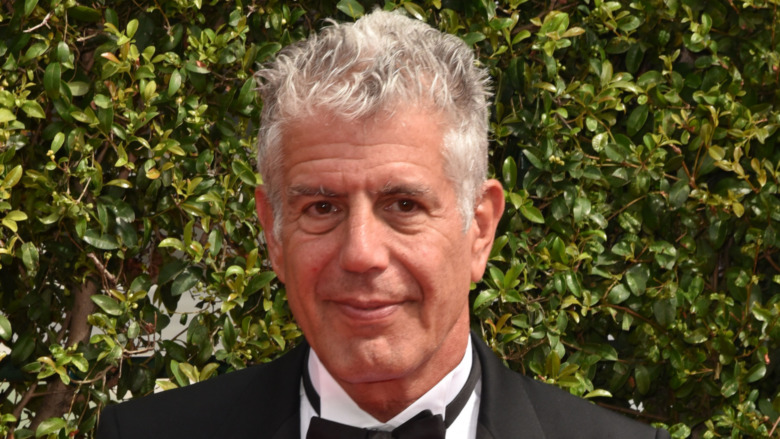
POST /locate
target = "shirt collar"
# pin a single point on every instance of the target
(337, 406)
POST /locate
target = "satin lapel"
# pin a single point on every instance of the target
(269, 408)
(290, 429)
(505, 411)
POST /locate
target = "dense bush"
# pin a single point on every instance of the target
(637, 263)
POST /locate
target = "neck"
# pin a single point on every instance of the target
(385, 399)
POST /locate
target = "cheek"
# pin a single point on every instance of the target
(306, 260)
(442, 269)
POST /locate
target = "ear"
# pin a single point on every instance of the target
(487, 213)
(265, 214)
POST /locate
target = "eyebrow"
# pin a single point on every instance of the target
(309, 191)
(390, 189)
(403, 189)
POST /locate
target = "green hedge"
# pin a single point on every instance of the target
(637, 263)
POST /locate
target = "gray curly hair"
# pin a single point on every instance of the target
(382, 61)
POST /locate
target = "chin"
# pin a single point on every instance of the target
(361, 375)
(366, 365)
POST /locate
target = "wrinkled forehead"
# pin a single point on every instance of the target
(384, 126)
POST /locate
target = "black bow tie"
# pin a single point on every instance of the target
(425, 425)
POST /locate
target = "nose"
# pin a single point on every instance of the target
(363, 245)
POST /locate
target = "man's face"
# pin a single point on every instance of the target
(372, 249)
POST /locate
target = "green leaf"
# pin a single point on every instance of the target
(265, 51)
(637, 119)
(132, 27)
(34, 52)
(616, 152)
(473, 38)
(174, 83)
(100, 241)
(664, 311)
(678, 194)
(598, 393)
(184, 282)
(729, 387)
(133, 330)
(124, 184)
(414, 9)
(78, 88)
(629, 23)
(29, 6)
(30, 257)
(558, 251)
(13, 177)
(699, 335)
(573, 283)
(533, 156)
(172, 242)
(625, 85)
(107, 304)
(600, 142)
(552, 364)
(636, 278)
(520, 36)
(16, 215)
(87, 116)
(170, 270)
(84, 13)
(207, 371)
(103, 101)
(716, 152)
(531, 213)
(23, 348)
(485, 296)
(582, 208)
(650, 79)
(634, 58)
(195, 68)
(6, 115)
(351, 7)
(10, 224)
(501, 23)
(188, 232)
(618, 294)
(5, 328)
(177, 374)
(642, 379)
(509, 173)
(63, 52)
(50, 426)
(33, 109)
(756, 372)
(229, 335)
(603, 350)
(51, 80)
(244, 172)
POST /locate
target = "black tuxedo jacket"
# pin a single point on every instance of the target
(262, 402)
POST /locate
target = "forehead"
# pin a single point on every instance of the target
(406, 125)
(322, 136)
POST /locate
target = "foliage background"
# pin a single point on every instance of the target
(637, 263)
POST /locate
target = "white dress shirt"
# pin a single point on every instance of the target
(337, 406)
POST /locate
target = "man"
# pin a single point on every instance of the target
(377, 216)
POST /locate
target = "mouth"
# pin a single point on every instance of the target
(367, 311)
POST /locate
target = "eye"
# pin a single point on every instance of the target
(404, 205)
(320, 216)
(321, 208)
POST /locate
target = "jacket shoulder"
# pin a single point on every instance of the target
(565, 415)
(266, 394)
(512, 403)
